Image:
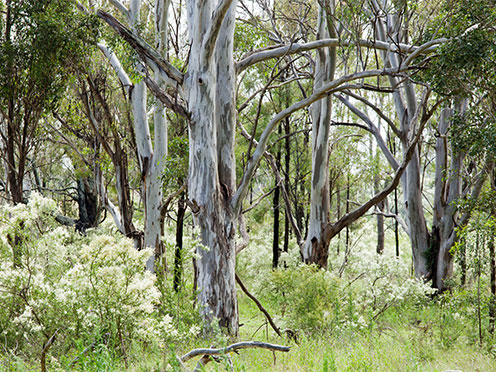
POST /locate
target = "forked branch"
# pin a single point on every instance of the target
(233, 348)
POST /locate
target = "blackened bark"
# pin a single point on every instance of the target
(287, 159)
(275, 234)
(396, 232)
(463, 263)
(178, 254)
(492, 302)
(379, 218)
(347, 239)
(87, 203)
(275, 206)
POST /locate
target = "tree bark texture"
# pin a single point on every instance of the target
(210, 93)
(316, 248)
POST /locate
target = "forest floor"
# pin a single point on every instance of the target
(393, 345)
(398, 343)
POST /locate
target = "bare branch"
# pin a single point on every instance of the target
(279, 51)
(259, 305)
(233, 348)
(163, 97)
(377, 110)
(257, 202)
(121, 8)
(397, 217)
(247, 101)
(116, 64)
(334, 228)
(328, 88)
(270, 159)
(373, 129)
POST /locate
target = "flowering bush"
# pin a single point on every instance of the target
(56, 284)
(352, 293)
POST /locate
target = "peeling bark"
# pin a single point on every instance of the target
(316, 247)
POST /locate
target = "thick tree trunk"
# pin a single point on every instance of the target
(152, 193)
(406, 108)
(210, 94)
(419, 235)
(448, 188)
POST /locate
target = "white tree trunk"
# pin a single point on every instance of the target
(316, 247)
(448, 188)
(405, 102)
(152, 192)
(211, 162)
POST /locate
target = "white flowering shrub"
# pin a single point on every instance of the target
(353, 293)
(57, 284)
(109, 291)
(384, 281)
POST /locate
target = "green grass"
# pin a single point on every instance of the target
(399, 342)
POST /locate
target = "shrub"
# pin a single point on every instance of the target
(57, 285)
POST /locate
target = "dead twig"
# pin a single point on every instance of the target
(259, 305)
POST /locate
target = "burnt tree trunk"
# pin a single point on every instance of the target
(178, 253)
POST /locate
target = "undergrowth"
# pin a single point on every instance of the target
(365, 313)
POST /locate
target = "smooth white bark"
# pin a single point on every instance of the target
(315, 249)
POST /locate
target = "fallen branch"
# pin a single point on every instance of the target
(234, 348)
(259, 305)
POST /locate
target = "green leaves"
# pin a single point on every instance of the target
(465, 63)
(176, 163)
(40, 42)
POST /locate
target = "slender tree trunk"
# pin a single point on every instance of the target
(287, 160)
(316, 247)
(178, 255)
(338, 203)
(347, 236)
(380, 227)
(275, 233)
(492, 264)
(396, 230)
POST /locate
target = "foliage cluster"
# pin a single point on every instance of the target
(40, 42)
(57, 285)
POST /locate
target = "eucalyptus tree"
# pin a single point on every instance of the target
(431, 249)
(151, 150)
(206, 97)
(316, 248)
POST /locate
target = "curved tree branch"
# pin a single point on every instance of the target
(278, 51)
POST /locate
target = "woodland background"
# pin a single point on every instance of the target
(183, 174)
